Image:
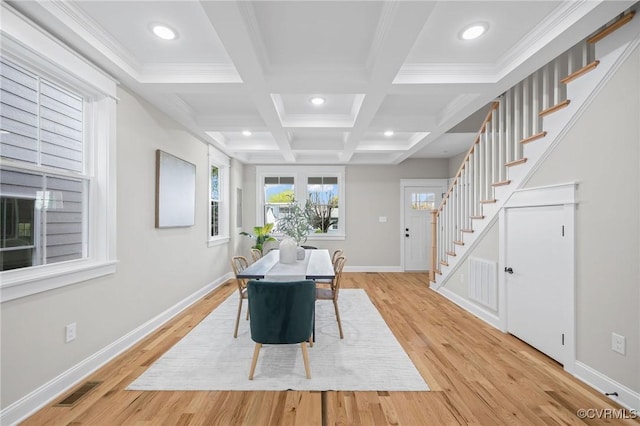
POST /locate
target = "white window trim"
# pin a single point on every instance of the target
(300, 175)
(221, 161)
(28, 45)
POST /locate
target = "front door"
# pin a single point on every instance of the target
(418, 203)
(538, 278)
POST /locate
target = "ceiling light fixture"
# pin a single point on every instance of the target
(388, 133)
(474, 31)
(163, 32)
(246, 133)
(318, 100)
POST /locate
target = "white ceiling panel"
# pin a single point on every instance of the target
(380, 65)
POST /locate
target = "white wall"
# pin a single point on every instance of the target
(157, 267)
(371, 191)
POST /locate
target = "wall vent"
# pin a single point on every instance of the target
(483, 282)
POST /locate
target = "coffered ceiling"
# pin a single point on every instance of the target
(253, 66)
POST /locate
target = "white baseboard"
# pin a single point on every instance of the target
(485, 315)
(32, 402)
(373, 269)
(628, 398)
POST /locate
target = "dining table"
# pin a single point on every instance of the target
(316, 265)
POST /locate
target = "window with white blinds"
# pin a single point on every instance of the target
(43, 188)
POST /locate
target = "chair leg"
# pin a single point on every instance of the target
(247, 312)
(305, 358)
(256, 351)
(235, 332)
(335, 305)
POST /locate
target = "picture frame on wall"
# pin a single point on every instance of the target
(175, 191)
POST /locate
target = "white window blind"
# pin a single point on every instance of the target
(43, 211)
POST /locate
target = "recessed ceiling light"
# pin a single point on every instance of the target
(246, 133)
(474, 31)
(163, 32)
(388, 133)
(318, 100)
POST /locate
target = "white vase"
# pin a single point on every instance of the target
(300, 253)
(288, 250)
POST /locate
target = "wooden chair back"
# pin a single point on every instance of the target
(239, 264)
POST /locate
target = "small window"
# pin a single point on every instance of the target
(279, 192)
(320, 189)
(423, 201)
(215, 201)
(218, 197)
(323, 197)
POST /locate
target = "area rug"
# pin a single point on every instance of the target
(369, 358)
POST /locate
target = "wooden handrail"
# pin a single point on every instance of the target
(611, 28)
(487, 119)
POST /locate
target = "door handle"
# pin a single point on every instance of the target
(406, 235)
(508, 270)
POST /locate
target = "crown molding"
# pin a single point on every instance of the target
(389, 10)
(248, 13)
(189, 73)
(93, 34)
(559, 21)
(444, 73)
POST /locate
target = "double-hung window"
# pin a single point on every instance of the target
(218, 197)
(320, 189)
(57, 164)
(43, 194)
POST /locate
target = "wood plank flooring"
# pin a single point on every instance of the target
(478, 376)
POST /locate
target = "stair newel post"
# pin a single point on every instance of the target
(434, 245)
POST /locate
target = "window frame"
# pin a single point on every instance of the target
(222, 163)
(300, 175)
(25, 44)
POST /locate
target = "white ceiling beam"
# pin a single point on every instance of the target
(231, 26)
(399, 27)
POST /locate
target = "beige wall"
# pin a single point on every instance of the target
(602, 153)
(157, 267)
(488, 249)
(371, 192)
(455, 163)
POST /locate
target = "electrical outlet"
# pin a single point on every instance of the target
(70, 332)
(618, 343)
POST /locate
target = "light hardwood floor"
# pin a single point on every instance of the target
(477, 374)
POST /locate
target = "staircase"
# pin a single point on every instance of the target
(523, 126)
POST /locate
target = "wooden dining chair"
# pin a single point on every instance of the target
(256, 254)
(239, 264)
(331, 293)
(282, 312)
(327, 282)
(336, 254)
